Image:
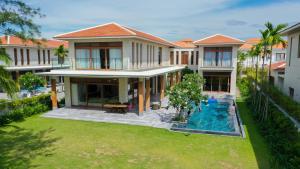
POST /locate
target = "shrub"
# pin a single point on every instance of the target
(280, 133)
(18, 110)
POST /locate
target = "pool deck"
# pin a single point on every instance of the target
(155, 118)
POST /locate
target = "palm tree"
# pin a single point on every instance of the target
(275, 38)
(6, 81)
(256, 51)
(61, 52)
(265, 43)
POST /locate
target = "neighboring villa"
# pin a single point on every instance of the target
(292, 68)
(114, 63)
(278, 53)
(27, 56)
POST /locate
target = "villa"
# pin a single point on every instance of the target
(27, 56)
(292, 68)
(112, 63)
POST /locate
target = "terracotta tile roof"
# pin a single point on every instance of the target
(112, 30)
(185, 43)
(218, 39)
(253, 41)
(15, 41)
(278, 65)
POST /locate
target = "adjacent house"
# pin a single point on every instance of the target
(292, 68)
(277, 74)
(27, 56)
(112, 63)
(214, 57)
(278, 53)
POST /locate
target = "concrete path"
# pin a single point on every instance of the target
(158, 118)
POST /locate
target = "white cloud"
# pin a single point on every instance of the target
(170, 19)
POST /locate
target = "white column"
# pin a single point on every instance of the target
(189, 58)
(201, 57)
(233, 73)
(179, 62)
(123, 90)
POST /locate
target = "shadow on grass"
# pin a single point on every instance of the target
(20, 146)
(259, 145)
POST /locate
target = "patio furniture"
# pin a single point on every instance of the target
(155, 105)
(120, 108)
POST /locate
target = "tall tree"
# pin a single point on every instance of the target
(61, 52)
(275, 38)
(256, 51)
(265, 43)
(15, 20)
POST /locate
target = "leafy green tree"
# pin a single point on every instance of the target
(16, 20)
(61, 52)
(183, 94)
(30, 81)
(275, 38)
(241, 58)
(186, 70)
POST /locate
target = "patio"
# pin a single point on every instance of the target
(154, 118)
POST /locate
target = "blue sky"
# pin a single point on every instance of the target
(169, 19)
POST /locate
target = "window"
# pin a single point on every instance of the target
(150, 54)
(177, 57)
(115, 58)
(153, 49)
(291, 92)
(290, 56)
(141, 54)
(172, 58)
(39, 56)
(159, 55)
(82, 58)
(192, 57)
(132, 57)
(16, 56)
(48, 52)
(217, 57)
(299, 46)
(22, 56)
(280, 56)
(137, 55)
(28, 56)
(147, 55)
(44, 57)
(184, 57)
(197, 57)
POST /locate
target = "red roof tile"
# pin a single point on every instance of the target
(253, 41)
(278, 65)
(185, 43)
(218, 39)
(112, 30)
(13, 40)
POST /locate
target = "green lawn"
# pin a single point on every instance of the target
(53, 143)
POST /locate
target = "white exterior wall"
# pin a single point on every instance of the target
(123, 90)
(33, 54)
(191, 66)
(67, 86)
(292, 75)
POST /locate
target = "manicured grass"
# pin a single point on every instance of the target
(53, 143)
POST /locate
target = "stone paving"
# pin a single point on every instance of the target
(154, 118)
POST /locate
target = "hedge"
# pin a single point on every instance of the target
(280, 133)
(18, 110)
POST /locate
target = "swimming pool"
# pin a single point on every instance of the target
(215, 118)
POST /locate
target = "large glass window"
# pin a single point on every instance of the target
(217, 57)
(82, 58)
(115, 59)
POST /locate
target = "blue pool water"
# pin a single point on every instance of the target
(212, 117)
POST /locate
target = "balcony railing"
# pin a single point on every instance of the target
(54, 62)
(219, 63)
(98, 64)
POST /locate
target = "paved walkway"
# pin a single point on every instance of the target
(155, 118)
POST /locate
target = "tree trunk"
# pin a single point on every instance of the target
(269, 73)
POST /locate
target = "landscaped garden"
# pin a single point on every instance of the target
(39, 142)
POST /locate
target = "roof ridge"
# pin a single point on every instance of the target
(86, 29)
(124, 27)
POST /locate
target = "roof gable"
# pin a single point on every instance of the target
(185, 43)
(112, 30)
(218, 39)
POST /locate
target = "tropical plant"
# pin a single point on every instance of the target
(186, 70)
(15, 19)
(275, 38)
(241, 58)
(61, 52)
(186, 94)
(30, 81)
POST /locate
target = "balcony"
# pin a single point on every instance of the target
(98, 64)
